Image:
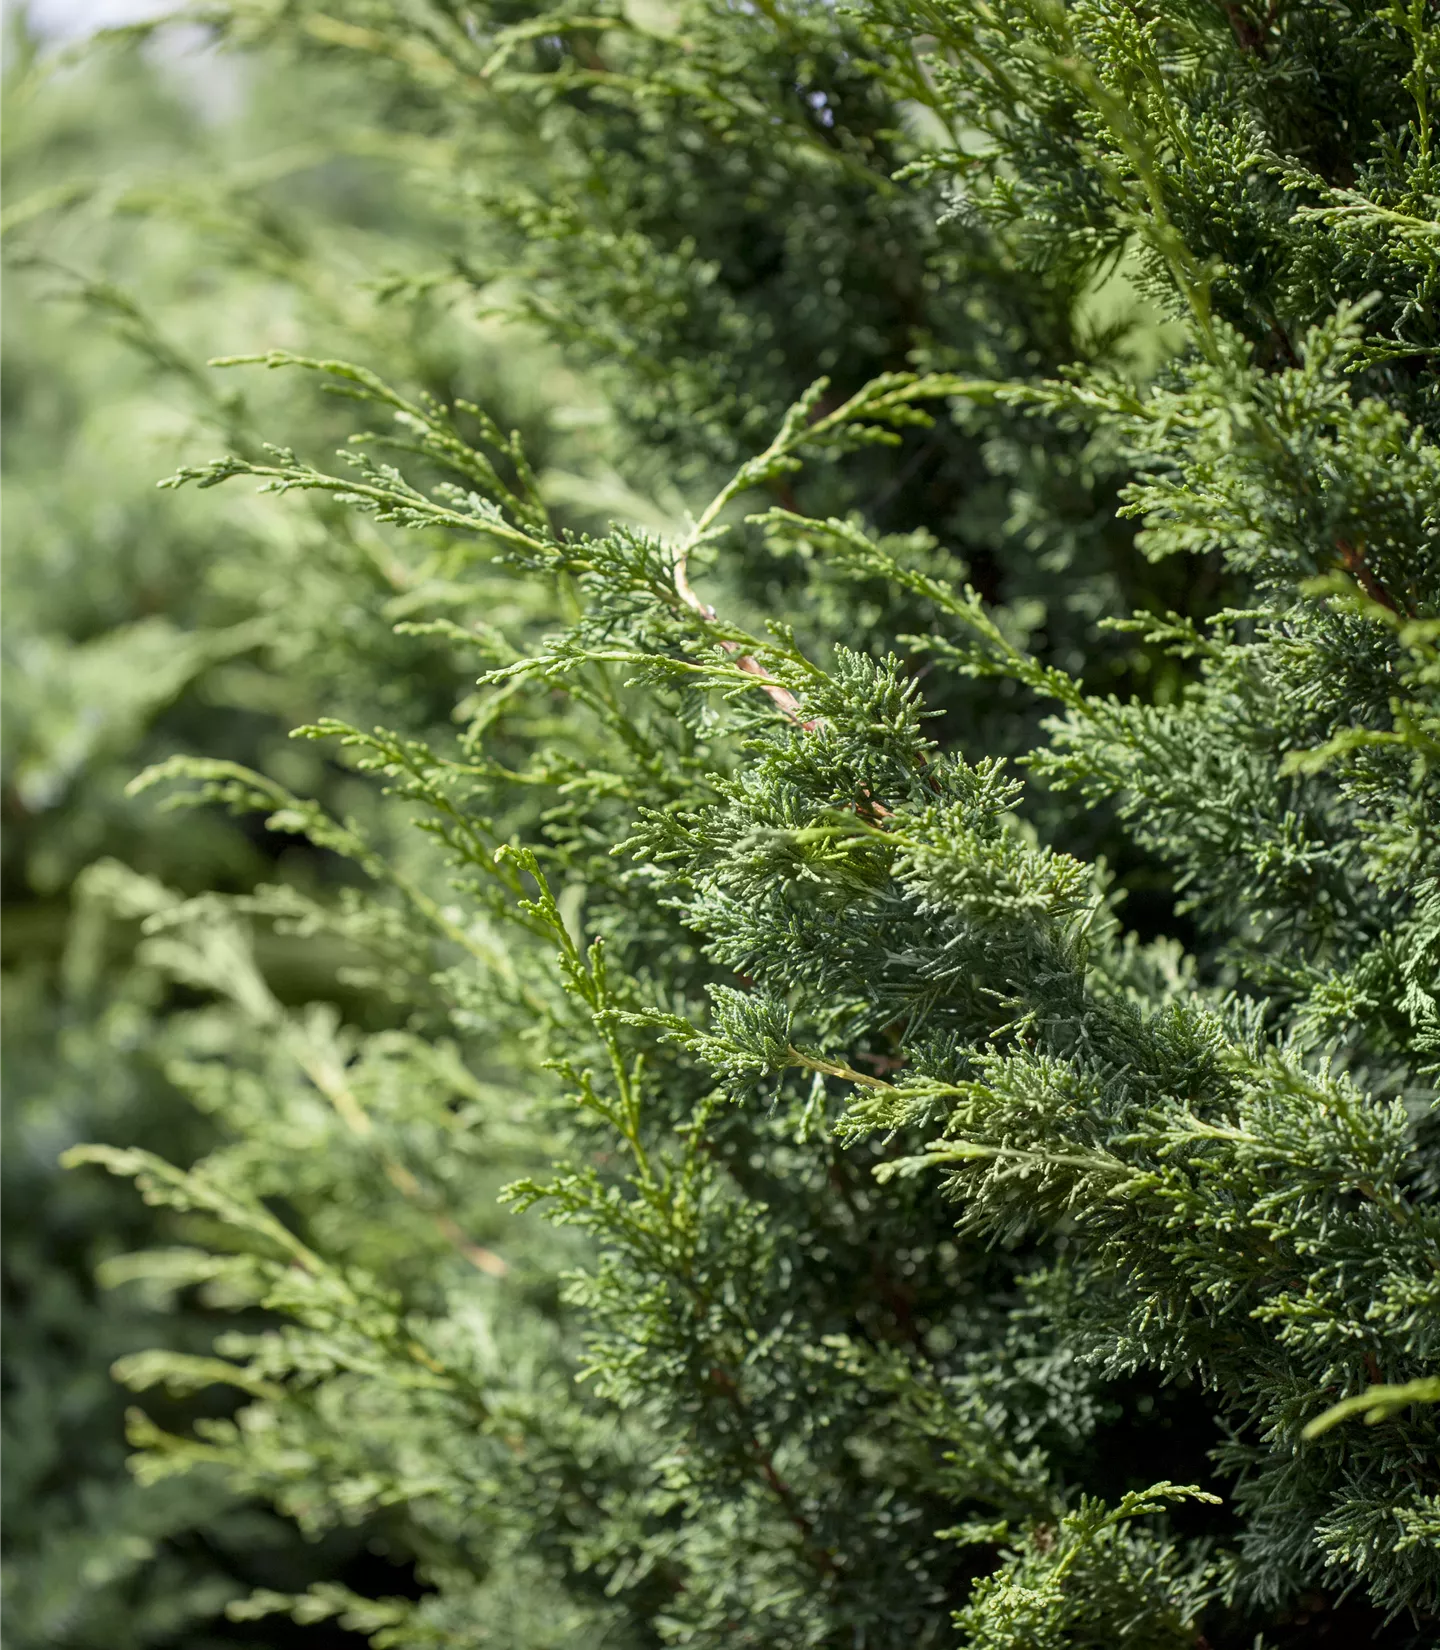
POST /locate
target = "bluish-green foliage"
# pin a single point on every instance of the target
(902, 1248)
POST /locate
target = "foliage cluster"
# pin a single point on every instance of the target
(941, 950)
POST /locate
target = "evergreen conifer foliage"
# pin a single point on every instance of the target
(139, 231)
(904, 1208)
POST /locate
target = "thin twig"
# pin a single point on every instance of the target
(1354, 559)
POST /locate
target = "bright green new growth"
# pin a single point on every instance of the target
(872, 1183)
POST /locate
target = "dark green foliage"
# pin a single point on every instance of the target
(900, 1248)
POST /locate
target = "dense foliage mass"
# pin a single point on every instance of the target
(876, 1084)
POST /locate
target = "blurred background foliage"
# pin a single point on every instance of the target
(163, 206)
